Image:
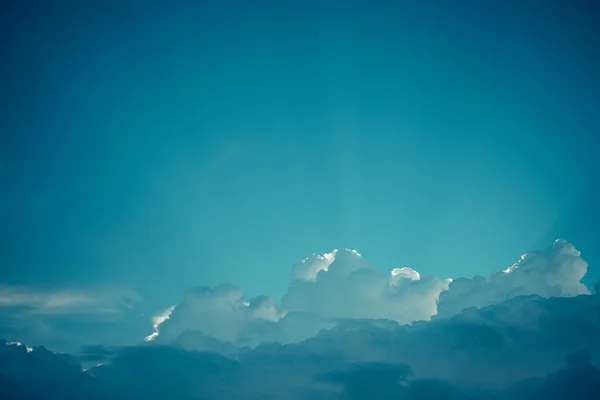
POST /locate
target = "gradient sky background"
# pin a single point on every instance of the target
(165, 145)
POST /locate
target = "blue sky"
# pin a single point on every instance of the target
(162, 146)
(165, 167)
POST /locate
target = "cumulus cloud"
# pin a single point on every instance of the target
(325, 289)
(343, 330)
(476, 354)
(350, 288)
(339, 263)
(554, 272)
(292, 328)
(221, 313)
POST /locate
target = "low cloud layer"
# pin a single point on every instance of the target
(488, 353)
(60, 316)
(345, 330)
(342, 285)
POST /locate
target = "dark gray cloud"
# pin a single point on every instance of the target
(528, 347)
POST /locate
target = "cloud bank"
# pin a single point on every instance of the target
(345, 330)
(63, 315)
(326, 289)
(488, 353)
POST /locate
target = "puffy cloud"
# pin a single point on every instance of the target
(554, 272)
(220, 313)
(529, 332)
(323, 289)
(292, 328)
(338, 263)
(477, 354)
(351, 288)
(309, 268)
(341, 285)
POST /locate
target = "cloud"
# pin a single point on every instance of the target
(292, 328)
(38, 373)
(343, 261)
(476, 354)
(64, 317)
(325, 289)
(365, 293)
(349, 287)
(341, 332)
(371, 380)
(157, 321)
(95, 355)
(554, 272)
(97, 300)
(493, 346)
(219, 312)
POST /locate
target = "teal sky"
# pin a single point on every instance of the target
(164, 146)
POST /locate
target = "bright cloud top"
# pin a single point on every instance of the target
(310, 267)
(343, 285)
(351, 288)
(554, 272)
(157, 320)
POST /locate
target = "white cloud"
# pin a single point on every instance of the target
(343, 285)
(404, 273)
(18, 344)
(323, 288)
(310, 267)
(157, 320)
(97, 300)
(553, 272)
(351, 288)
(221, 313)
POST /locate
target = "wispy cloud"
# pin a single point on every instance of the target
(110, 299)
